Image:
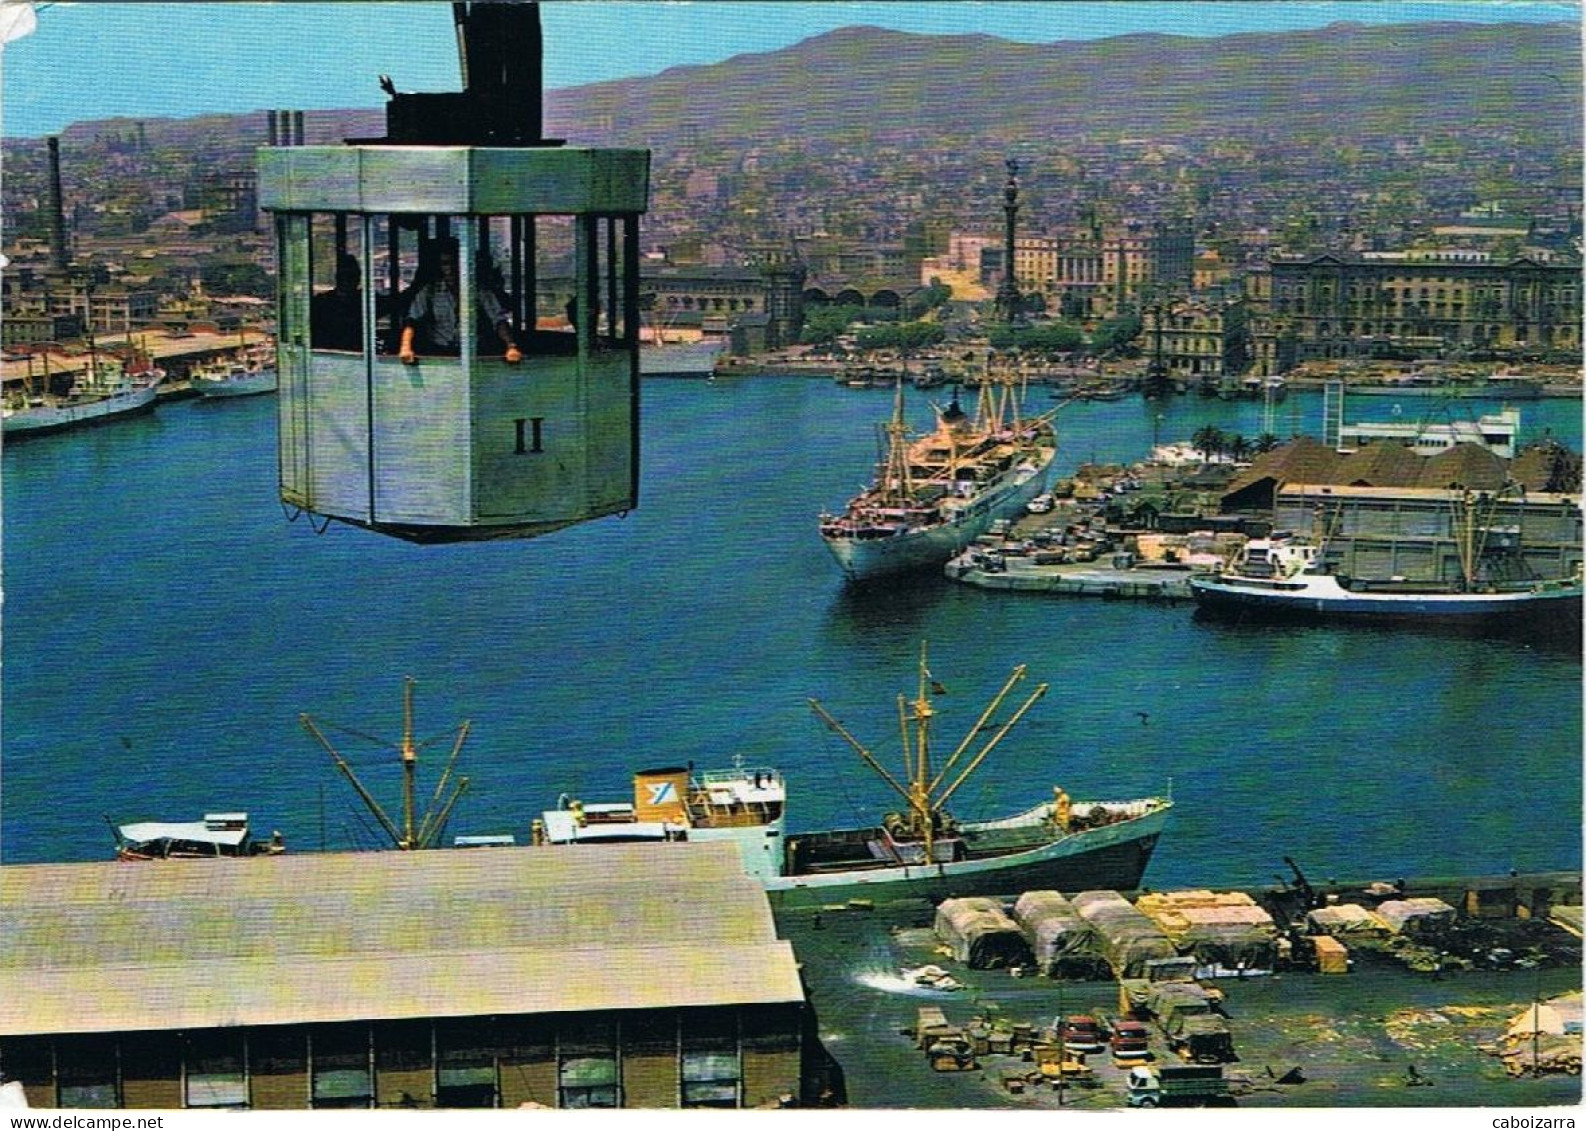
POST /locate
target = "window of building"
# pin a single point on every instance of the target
(215, 1070)
(586, 1071)
(465, 1067)
(342, 1075)
(86, 1068)
(712, 1069)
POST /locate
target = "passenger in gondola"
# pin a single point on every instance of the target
(336, 315)
(432, 325)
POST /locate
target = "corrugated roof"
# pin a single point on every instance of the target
(1304, 460)
(1387, 464)
(346, 936)
(1465, 465)
(259, 991)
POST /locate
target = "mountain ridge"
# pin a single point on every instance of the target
(1345, 78)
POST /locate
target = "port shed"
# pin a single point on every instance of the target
(1347, 919)
(1415, 916)
(1226, 929)
(1062, 943)
(375, 979)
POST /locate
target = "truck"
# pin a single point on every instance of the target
(1192, 1025)
(1186, 1011)
(1135, 994)
(1131, 1043)
(1181, 1085)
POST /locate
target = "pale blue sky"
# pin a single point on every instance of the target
(97, 60)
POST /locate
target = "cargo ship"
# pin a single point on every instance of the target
(921, 851)
(1284, 579)
(933, 495)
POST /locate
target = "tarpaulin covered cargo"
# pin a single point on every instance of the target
(1063, 943)
(980, 933)
(1410, 916)
(1347, 919)
(1219, 928)
(1125, 937)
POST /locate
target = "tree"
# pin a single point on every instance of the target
(236, 277)
(823, 324)
(1266, 442)
(1209, 440)
(1115, 333)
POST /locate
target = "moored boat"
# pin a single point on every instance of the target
(920, 852)
(933, 495)
(107, 391)
(249, 375)
(680, 359)
(218, 834)
(1283, 578)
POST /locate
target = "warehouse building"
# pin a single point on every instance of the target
(1385, 511)
(634, 976)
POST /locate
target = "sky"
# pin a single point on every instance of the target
(99, 60)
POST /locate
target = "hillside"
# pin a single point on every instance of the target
(1350, 79)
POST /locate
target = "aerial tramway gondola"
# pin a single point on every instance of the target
(471, 441)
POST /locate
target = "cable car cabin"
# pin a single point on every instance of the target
(458, 334)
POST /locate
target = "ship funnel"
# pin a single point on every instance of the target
(658, 795)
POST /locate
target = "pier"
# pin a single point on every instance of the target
(1148, 583)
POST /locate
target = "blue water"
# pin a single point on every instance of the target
(165, 625)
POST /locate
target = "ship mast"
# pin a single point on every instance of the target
(436, 814)
(896, 476)
(926, 794)
(1467, 514)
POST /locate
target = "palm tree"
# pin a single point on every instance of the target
(1239, 449)
(1209, 441)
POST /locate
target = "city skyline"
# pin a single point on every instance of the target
(296, 54)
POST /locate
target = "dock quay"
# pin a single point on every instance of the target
(1023, 574)
(1380, 1031)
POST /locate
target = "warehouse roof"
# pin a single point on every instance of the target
(352, 936)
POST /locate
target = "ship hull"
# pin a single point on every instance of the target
(1556, 603)
(679, 359)
(931, 547)
(1113, 857)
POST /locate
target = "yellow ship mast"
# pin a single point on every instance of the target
(926, 794)
(429, 826)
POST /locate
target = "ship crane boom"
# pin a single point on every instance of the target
(995, 739)
(861, 750)
(980, 724)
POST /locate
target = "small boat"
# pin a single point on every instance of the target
(920, 852)
(680, 359)
(218, 834)
(247, 376)
(934, 495)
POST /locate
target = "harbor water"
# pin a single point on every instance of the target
(165, 625)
